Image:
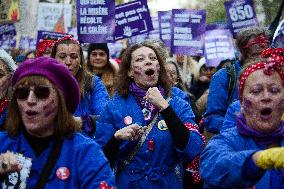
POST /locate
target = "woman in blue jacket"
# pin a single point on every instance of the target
(251, 155)
(251, 42)
(142, 129)
(42, 143)
(94, 95)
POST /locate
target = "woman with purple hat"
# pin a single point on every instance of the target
(146, 132)
(94, 95)
(251, 155)
(42, 141)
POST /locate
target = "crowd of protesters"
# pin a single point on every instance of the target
(74, 121)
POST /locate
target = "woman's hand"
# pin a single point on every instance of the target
(8, 163)
(131, 132)
(270, 158)
(154, 96)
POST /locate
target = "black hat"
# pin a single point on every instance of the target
(100, 46)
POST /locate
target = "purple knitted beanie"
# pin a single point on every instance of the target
(55, 72)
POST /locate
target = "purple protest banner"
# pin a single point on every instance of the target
(137, 39)
(95, 20)
(241, 15)
(49, 35)
(27, 43)
(132, 19)
(164, 18)
(218, 46)
(32, 44)
(7, 36)
(24, 43)
(187, 31)
(155, 33)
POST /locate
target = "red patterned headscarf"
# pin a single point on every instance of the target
(274, 61)
(261, 40)
(68, 37)
(43, 44)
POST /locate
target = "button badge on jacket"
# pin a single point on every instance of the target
(63, 173)
(162, 125)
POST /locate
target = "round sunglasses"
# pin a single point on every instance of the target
(23, 92)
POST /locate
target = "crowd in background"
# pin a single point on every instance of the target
(139, 120)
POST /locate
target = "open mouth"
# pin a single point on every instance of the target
(149, 72)
(31, 113)
(266, 111)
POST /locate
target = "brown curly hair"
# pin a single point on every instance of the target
(123, 80)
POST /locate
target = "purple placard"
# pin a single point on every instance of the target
(27, 43)
(187, 31)
(217, 25)
(218, 46)
(132, 19)
(7, 36)
(164, 18)
(155, 33)
(137, 39)
(240, 14)
(95, 20)
(48, 35)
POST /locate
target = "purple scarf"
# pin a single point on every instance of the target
(148, 109)
(260, 138)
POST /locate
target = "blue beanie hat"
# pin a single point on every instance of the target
(56, 73)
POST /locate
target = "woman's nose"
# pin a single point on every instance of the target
(148, 61)
(266, 96)
(32, 97)
(67, 61)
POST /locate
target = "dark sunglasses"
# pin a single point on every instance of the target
(41, 92)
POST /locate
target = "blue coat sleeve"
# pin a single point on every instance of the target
(231, 115)
(221, 164)
(178, 92)
(93, 167)
(100, 96)
(104, 127)
(217, 102)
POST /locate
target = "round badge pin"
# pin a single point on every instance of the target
(162, 125)
(127, 120)
(63, 173)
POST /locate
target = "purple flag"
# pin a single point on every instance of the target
(164, 18)
(218, 47)
(187, 31)
(241, 14)
(7, 36)
(132, 19)
(95, 20)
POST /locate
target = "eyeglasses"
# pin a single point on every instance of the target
(23, 92)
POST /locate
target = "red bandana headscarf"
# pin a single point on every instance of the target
(43, 44)
(274, 62)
